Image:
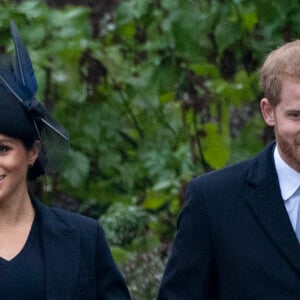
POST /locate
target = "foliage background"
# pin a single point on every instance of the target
(152, 93)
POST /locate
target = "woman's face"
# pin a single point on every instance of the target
(14, 162)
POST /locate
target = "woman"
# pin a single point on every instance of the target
(45, 253)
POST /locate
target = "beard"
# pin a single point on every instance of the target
(289, 151)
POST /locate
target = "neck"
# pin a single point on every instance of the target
(17, 212)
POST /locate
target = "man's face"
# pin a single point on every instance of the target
(285, 117)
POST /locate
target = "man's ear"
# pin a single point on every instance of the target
(267, 111)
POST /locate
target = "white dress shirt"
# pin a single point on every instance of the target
(289, 181)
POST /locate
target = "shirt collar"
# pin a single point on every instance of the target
(289, 178)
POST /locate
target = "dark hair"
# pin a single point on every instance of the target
(16, 123)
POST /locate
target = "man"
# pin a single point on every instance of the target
(236, 234)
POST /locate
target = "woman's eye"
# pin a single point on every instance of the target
(4, 149)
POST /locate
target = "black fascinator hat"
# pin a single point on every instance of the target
(23, 117)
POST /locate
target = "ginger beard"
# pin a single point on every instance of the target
(289, 149)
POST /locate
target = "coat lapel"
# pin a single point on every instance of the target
(61, 246)
(264, 200)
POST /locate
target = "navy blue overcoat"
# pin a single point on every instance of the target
(78, 262)
(234, 240)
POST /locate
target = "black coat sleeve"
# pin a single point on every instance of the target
(110, 283)
(189, 272)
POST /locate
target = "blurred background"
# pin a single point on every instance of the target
(152, 93)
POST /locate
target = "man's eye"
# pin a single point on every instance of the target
(294, 114)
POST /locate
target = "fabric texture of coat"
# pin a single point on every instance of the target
(78, 262)
(234, 239)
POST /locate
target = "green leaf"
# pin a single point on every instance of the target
(154, 200)
(167, 97)
(190, 41)
(76, 169)
(206, 69)
(170, 4)
(127, 31)
(165, 76)
(227, 33)
(145, 242)
(248, 142)
(237, 92)
(215, 146)
(120, 255)
(32, 9)
(249, 20)
(129, 10)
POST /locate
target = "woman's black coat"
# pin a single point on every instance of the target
(78, 262)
